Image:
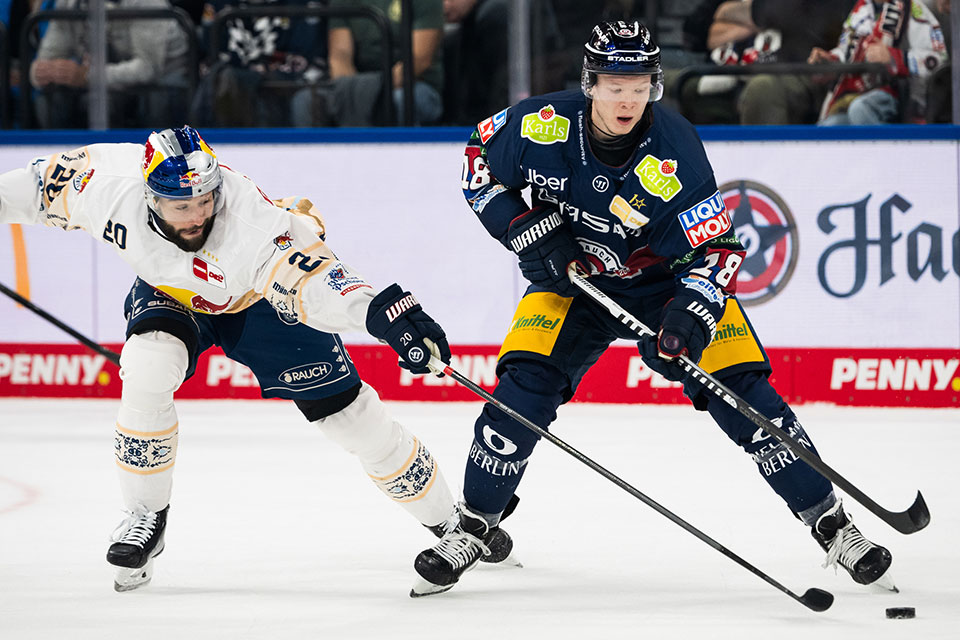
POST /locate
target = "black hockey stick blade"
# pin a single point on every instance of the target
(817, 599)
(909, 521)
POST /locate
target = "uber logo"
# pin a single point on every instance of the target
(554, 183)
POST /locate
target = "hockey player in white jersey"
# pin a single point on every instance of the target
(220, 263)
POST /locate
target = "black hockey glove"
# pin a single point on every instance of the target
(546, 246)
(689, 323)
(395, 317)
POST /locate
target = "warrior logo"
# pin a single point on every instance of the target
(768, 232)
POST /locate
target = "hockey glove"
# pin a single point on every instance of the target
(545, 246)
(395, 317)
(689, 323)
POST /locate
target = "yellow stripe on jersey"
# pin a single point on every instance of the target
(536, 323)
(734, 342)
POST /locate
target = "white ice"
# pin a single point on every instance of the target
(275, 533)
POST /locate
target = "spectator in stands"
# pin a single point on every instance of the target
(902, 34)
(356, 64)
(266, 67)
(476, 80)
(146, 70)
(13, 14)
(759, 32)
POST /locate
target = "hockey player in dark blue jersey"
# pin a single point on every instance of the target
(621, 186)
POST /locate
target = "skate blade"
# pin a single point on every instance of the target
(510, 561)
(127, 579)
(423, 588)
(884, 584)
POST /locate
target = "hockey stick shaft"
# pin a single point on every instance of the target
(815, 599)
(909, 521)
(82, 339)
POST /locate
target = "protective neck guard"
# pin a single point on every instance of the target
(615, 152)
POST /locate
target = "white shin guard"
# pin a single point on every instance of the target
(397, 462)
(152, 367)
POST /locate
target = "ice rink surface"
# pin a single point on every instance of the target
(275, 533)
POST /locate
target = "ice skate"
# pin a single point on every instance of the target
(458, 551)
(866, 562)
(136, 542)
(500, 543)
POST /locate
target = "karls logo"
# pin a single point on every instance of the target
(205, 271)
(306, 374)
(658, 177)
(545, 126)
(900, 374)
(488, 127)
(844, 265)
(767, 230)
(553, 183)
(536, 232)
(705, 220)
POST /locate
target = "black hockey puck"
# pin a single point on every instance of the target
(900, 613)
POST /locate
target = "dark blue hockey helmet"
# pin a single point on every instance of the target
(179, 164)
(622, 48)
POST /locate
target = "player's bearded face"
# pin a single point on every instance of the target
(187, 223)
(618, 103)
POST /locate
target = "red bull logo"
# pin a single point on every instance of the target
(283, 241)
(201, 304)
(190, 179)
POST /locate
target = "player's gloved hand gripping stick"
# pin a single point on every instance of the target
(909, 521)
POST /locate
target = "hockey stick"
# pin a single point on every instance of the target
(909, 521)
(815, 599)
(84, 340)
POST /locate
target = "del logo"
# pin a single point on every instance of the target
(208, 273)
(305, 374)
(190, 179)
(80, 182)
(705, 220)
(766, 229)
(283, 241)
(545, 126)
(489, 126)
(659, 177)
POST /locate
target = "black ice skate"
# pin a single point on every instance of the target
(866, 562)
(441, 566)
(500, 544)
(136, 542)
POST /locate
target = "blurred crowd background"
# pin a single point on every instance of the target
(328, 63)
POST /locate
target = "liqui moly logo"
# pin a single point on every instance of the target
(208, 273)
(705, 220)
(490, 126)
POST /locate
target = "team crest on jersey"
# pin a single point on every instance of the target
(706, 220)
(545, 126)
(659, 177)
(283, 241)
(207, 272)
(81, 180)
(488, 127)
(768, 232)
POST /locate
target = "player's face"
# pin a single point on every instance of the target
(187, 222)
(618, 103)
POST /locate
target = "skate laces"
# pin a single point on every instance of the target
(847, 548)
(460, 548)
(137, 528)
